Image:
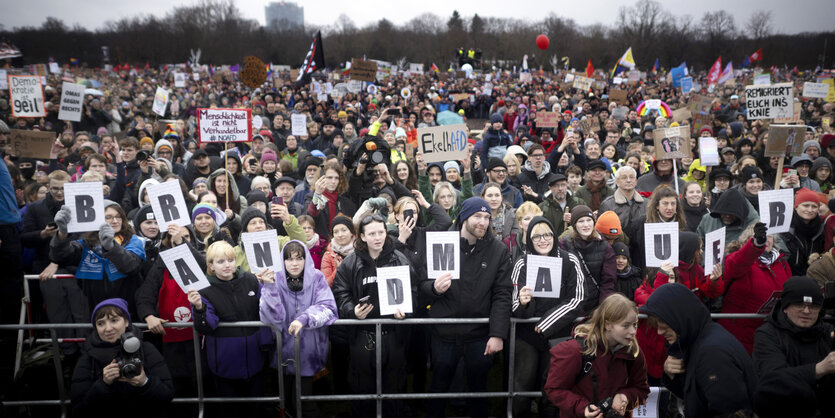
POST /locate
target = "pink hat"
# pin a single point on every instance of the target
(268, 155)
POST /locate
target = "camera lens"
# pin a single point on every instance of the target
(376, 157)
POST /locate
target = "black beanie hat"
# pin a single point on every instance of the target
(801, 289)
(255, 196)
(343, 220)
(580, 211)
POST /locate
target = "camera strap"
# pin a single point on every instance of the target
(587, 368)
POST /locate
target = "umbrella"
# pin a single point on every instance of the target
(94, 84)
(449, 118)
(86, 83)
(94, 92)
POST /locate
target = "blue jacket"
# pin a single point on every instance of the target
(8, 200)
(313, 306)
(493, 138)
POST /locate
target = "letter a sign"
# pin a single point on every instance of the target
(544, 276)
(183, 266)
(661, 243)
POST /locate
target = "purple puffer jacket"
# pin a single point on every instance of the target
(313, 306)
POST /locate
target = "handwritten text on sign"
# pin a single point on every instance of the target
(769, 101)
(443, 143)
(224, 125)
(26, 95)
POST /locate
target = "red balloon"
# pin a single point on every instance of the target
(542, 42)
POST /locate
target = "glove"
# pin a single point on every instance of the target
(377, 203)
(760, 234)
(106, 234)
(62, 218)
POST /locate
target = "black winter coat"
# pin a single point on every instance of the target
(38, 215)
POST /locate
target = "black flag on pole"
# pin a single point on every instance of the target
(314, 60)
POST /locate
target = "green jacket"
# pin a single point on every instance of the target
(294, 232)
(425, 188)
(552, 211)
(584, 194)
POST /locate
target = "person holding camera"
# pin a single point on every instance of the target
(793, 355)
(117, 371)
(601, 372)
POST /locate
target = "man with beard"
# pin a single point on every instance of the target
(595, 189)
(557, 207)
(497, 173)
(483, 290)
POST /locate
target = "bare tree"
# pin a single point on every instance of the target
(759, 25)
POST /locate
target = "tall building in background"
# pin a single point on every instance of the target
(284, 14)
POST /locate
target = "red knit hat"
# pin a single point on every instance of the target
(805, 195)
(608, 223)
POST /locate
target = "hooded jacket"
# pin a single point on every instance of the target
(294, 232)
(803, 239)
(539, 183)
(242, 181)
(556, 315)
(91, 397)
(38, 215)
(784, 357)
(731, 202)
(313, 306)
(484, 290)
(696, 165)
(649, 181)
(719, 376)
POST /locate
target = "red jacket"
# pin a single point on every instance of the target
(750, 283)
(652, 344)
(613, 377)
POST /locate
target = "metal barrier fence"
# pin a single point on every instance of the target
(379, 396)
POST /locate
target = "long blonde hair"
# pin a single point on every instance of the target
(613, 310)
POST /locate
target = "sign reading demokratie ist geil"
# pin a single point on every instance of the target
(224, 125)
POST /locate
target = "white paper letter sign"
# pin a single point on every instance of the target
(708, 151)
(160, 101)
(714, 249)
(168, 204)
(87, 204)
(262, 252)
(299, 124)
(182, 265)
(661, 243)
(72, 96)
(26, 94)
(649, 409)
(443, 254)
(394, 286)
(544, 276)
(776, 209)
(179, 80)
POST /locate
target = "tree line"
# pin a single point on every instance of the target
(218, 28)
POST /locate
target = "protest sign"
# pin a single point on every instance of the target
(443, 143)
(708, 151)
(460, 74)
(776, 209)
(525, 77)
(183, 266)
(699, 121)
(830, 97)
(54, 68)
(26, 96)
(650, 408)
(569, 78)
(768, 102)
(661, 243)
(160, 101)
(816, 90)
(195, 76)
(795, 117)
(672, 143)
(168, 204)
(4, 79)
(699, 104)
(617, 80)
(363, 70)
(298, 123)
(582, 83)
(72, 97)
(714, 249)
(619, 97)
(785, 140)
(681, 115)
(686, 85)
(180, 80)
(254, 73)
(772, 300)
(31, 144)
(762, 79)
(262, 251)
(257, 123)
(416, 68)
(394, 288)
(443, 254)
(544, 276)
(86, 201)
(547, 119)
(488, 89)
(224, 125)
(457, 97)
(620, 113)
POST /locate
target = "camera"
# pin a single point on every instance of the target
(374, 150)
(143, 155)
(130, 356)
(605, 407)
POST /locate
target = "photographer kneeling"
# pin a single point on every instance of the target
(117, 371)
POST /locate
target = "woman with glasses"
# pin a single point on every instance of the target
(355, 291)
(109, 260)
(532, 355)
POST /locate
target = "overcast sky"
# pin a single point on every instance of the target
(789, 16)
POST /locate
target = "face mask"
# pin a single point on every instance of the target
(27, 172)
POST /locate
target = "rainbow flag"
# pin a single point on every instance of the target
(626, 62)
(74, 61)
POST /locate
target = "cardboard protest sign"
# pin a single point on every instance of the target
(795, 117)
(86, 201)
(443, 254)
(442, 143)
(183, 266)
(168, 204)
(394, 288)
(457, 97)
(699, 121)
(363, 70)
(582, 83)
(830, 97)
(714, 249)
(618, 96)
(681, 115)
(762, 79)
(785, 140)
(298, 122)
(254, 73)
(776, 209)
(816, 90)
(768, 102)
(620, 113)
(547, 119)
(72, 102)
(26, 96)
(31, 144)
(160, 101)
(650, 408)
(262, 251)
(180, 80)
(672, 143)
(686, 85)
(699, 104)
(224, 125)
(661, 243)
(544, 276)
(708, 151)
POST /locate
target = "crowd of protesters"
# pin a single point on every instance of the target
(581, 191)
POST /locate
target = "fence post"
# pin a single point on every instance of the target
(59, 371)
(278, 340)
(511, 359)
(298, 362)
(378, 354)
(198, 368)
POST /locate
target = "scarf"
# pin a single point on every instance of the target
(313, 241)
(768, 258)
(343, 251)
(332, 198)
(595, 189)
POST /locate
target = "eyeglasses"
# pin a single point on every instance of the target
(537, 156)
(57, 189)
(499, 171)
(372, 218)
(803, 306)
(538, 238)
(112, 218)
